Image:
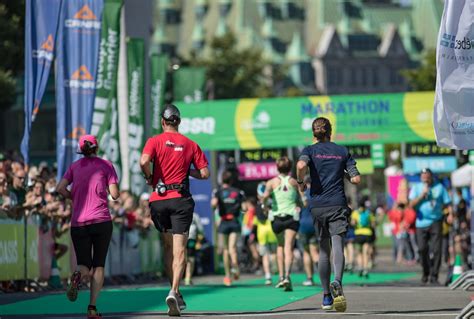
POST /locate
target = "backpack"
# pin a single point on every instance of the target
(364, 219)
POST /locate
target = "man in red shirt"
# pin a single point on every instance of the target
(171, 203)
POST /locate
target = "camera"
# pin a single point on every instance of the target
(161, 188)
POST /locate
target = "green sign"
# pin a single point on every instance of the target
(284, 122)
(12, 251)
(136, 111)
(188, 84)
(159, 66)
(378, 155)
(105, 116)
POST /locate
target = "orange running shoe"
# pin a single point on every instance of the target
(227, 281)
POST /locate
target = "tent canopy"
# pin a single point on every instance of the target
(462, 176)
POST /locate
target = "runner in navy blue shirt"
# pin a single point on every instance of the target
(328, 164)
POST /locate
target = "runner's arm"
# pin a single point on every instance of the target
(62, 188)
(203, 173)
(145, 161)
(114, 191)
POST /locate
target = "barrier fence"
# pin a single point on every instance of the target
(27, 249)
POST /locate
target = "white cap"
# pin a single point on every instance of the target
(145, 196)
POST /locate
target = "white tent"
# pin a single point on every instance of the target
(463, 176)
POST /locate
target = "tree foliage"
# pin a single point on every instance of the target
(11, 48)
(423, 78)
(237, 73)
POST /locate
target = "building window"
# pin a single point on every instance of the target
(364, 77)
(393, 76)
(375, 77)
(172, 16)
(354, 77)
(333, 77)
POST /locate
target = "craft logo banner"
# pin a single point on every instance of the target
(105, 116)
(284, 122)
(76, 73)
(136, 111)
(41, 25)
(453, 109)
(159, 67)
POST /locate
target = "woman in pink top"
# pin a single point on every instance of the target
(92, 179)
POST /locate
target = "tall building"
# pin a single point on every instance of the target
(329, 46)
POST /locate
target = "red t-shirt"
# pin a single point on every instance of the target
(396, 217)
(173, 154)
(409, 218)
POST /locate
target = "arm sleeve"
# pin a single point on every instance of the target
(112, 178)
(446, 198)
(199, 159)
(351, 167)
(68, 175)
(150, 148)
(305, 155)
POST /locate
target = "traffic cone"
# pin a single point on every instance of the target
(457, 269)
(54, 280)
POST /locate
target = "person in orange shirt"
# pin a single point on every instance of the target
(409, 229)
(395, 215)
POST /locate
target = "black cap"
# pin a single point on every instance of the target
(170, 113)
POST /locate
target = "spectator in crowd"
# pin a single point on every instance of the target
(395, 216)
(8, 200)
(18, 185)
(429, 198)
(409, 234)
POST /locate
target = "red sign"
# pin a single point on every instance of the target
(257, 171)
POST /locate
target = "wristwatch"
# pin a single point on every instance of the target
(299, 182)
(147, 178)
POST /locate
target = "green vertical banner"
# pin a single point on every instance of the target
(136, 111)
(188, 84)
(105, 116)
(159, 67)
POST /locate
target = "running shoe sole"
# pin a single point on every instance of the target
(73, 288)
(173, 306)
(327, 307)
(340, 304)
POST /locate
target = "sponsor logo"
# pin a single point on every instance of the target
(72, 138)
(198, 125)
(35, 110)
(45, 51)
(81, 79)
(461, 127)
(450, 41)
(177, 148)
(8, 252)
(83, 19)
(261, 121)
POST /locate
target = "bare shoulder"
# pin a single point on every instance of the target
(293, 182)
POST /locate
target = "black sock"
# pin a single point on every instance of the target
(92, 307)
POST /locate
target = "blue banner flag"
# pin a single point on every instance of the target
(41, 25)
(77, 61)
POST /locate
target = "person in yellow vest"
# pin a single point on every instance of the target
(284, 216)
(364, 225)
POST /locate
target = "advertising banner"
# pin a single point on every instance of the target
(136, 112)
(438, 164)
(286, 122)
(105, 116)
(41, 25)
(453, 111)
(159, 67)
(188, 84)
(12, 251)
(76, 72)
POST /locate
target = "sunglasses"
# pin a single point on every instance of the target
(20, 177)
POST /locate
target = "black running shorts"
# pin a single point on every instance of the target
(279, 224)
(91, 243)
(227, 227)
(173, 215)
(331, 220)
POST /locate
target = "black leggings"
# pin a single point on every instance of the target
(91, 238)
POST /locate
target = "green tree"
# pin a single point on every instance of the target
(423, 78)
(238, 73)
(11, 48)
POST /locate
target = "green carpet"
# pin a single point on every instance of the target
(250, 295)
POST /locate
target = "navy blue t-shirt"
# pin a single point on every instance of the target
(327, 163)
